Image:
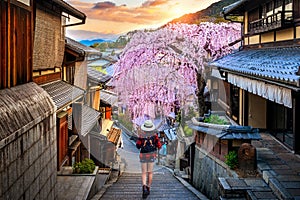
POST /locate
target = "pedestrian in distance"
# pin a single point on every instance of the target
(148, 143)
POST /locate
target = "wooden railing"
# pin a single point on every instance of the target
(277, 20)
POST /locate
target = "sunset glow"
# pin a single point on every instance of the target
(108, 19)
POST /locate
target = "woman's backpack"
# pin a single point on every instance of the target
(149, 146)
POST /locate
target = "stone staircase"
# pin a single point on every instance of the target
(165, 186)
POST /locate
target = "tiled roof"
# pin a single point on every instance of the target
(234, 6)
(110, 69)
(278, 64)
(80, 48)
(97, 76)
(62, 93)
(228, 132)
(89, 119)
(108, 97)
(19, 107)
(67, 8)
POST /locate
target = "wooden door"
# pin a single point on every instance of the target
(62, 140)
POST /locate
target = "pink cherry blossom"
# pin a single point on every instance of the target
(158, 68)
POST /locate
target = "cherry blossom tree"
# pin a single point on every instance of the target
(160, 68)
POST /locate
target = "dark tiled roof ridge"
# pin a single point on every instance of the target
(63, 93)
(21, 106)
(277, 64)
(75, 45)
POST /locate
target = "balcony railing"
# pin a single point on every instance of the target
(275, 21)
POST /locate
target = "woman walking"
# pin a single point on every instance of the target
(148, 143)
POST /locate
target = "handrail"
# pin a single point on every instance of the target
(276, 20)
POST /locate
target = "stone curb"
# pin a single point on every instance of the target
(269, 177)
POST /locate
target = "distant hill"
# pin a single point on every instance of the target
(210, 14)
(91, 42)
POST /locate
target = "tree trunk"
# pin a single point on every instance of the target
(200, 94)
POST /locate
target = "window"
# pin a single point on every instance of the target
(269, 9)
(288, 10)
(278, 6)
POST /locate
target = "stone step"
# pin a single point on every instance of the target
(164, 186)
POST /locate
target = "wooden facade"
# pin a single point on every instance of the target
(62, 139)
(271, 32)
(16, 42)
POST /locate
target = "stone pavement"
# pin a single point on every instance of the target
(279, 167)
(165, 186)
(279, 174)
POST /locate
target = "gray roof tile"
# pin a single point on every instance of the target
(89, 119)
(279, 64)
(19, 107)
(80, 48)
(62, 93)
(229, 133)
(108, 97)
(98, 76)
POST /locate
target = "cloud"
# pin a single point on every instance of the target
(150, 12)
(153, 3)
(104, 5)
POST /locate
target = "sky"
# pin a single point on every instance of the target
(110, 19)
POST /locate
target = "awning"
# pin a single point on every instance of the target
(271, 73)
(271, 92)
(63, 93)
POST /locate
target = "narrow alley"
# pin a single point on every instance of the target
(128, 185)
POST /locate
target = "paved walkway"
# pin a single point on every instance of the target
(165, 186)
(279, 167)
(129, 186)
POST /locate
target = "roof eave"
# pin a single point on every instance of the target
(232, 12)
(67, 8)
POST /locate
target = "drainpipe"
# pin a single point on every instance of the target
(75, 24)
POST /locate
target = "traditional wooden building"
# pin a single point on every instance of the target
(28, 120)
(48, 56)
(259, 85)
(76, 59)
(16, 42)
(93, 115)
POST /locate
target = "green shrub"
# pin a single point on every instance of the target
(215, 119)
(87, 166)
(187, 131)
(231, 159)
(125, 120)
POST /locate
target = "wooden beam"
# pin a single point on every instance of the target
(296, 124)
(8, 45)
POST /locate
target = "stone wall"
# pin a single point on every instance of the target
(28, 152)
(49, 40)
(207, 170)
